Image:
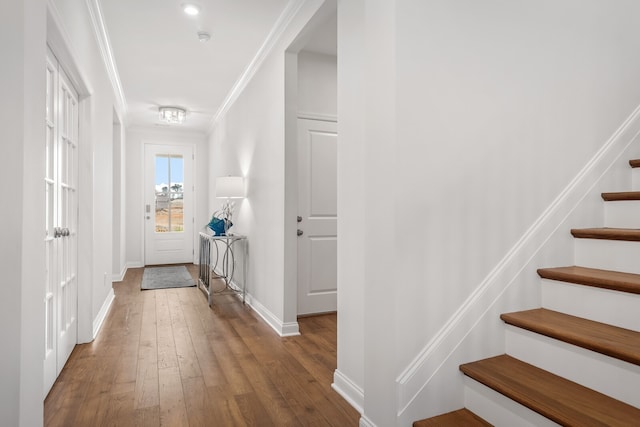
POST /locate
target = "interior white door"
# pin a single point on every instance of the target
(168, 205)
(317, 210)
(61, 210)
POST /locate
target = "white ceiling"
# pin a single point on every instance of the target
(160, 60)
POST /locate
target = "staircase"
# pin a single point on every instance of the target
(576, 360)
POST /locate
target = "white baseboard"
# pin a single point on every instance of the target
(134, 264)
(288, 329)
(415, 378)
(102, 314)
(349, 391)
(283, 329)
(366, 422)
(120, 277)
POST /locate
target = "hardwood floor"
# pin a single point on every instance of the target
(164, 358)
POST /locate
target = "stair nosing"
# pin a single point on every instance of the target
(621, 196)
(612, 341)
(607, 233)
(554, 407)
(594, 277)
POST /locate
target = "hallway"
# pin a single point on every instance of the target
(164, 358)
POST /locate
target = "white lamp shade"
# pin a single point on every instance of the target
(230, 187)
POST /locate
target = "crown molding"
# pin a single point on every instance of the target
(102, 37)
(285, 18)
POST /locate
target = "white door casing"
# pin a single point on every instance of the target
(61, 205)
(317, 209)
(168, 204)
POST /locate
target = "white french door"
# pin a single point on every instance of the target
(317, 216)
(168, 207)
(61, 207)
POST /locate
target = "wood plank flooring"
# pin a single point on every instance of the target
(164, 358)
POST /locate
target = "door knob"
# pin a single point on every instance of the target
(299, 218)
(300, 232)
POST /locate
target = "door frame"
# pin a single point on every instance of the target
(60, 45)
(167, 142)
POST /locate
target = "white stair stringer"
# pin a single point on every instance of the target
(498, 409)
(622, 214)
(601, 305)
(617, 255)
(613, 377)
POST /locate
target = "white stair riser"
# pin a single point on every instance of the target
(605, 374)
(622, 214)
(602, 305)
(636, 179)
(615, 255)
(498, 409)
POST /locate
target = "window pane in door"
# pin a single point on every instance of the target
(176, 191)
(169, 181)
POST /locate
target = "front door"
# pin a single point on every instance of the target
(61, 209)
(168, 207)
(317, 214)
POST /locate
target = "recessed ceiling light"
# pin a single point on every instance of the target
(204, 36)
(191, 9)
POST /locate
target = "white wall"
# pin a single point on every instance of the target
(136, 138)
(351, 204)
(119, 200)
(498, 107)
(317, 85)
(22, 43)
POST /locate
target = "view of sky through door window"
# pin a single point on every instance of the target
(169, 182)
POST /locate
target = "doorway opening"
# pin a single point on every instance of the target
(311, 168)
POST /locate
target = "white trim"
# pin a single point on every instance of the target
(119, 277)
(349, 390)
(102, 314)
(134, 264)
(288, 329)
(417, 375)
(285, 18)
(366, 422)
(308, 115)
(102, 37)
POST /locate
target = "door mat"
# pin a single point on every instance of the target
(166, 277)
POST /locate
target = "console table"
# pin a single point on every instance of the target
(218, 261)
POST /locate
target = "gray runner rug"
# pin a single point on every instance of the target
(166, 277)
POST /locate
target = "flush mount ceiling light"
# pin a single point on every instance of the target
(191, 9)
(172, 115)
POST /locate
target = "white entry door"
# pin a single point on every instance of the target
(61, 204)
(168, 205)
(317, 211)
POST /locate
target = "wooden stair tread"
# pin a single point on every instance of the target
(461, 417)
(629, 234)
(634, 163)
(554, 397)
(621, 195)
(607, 279)
(623, 344)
